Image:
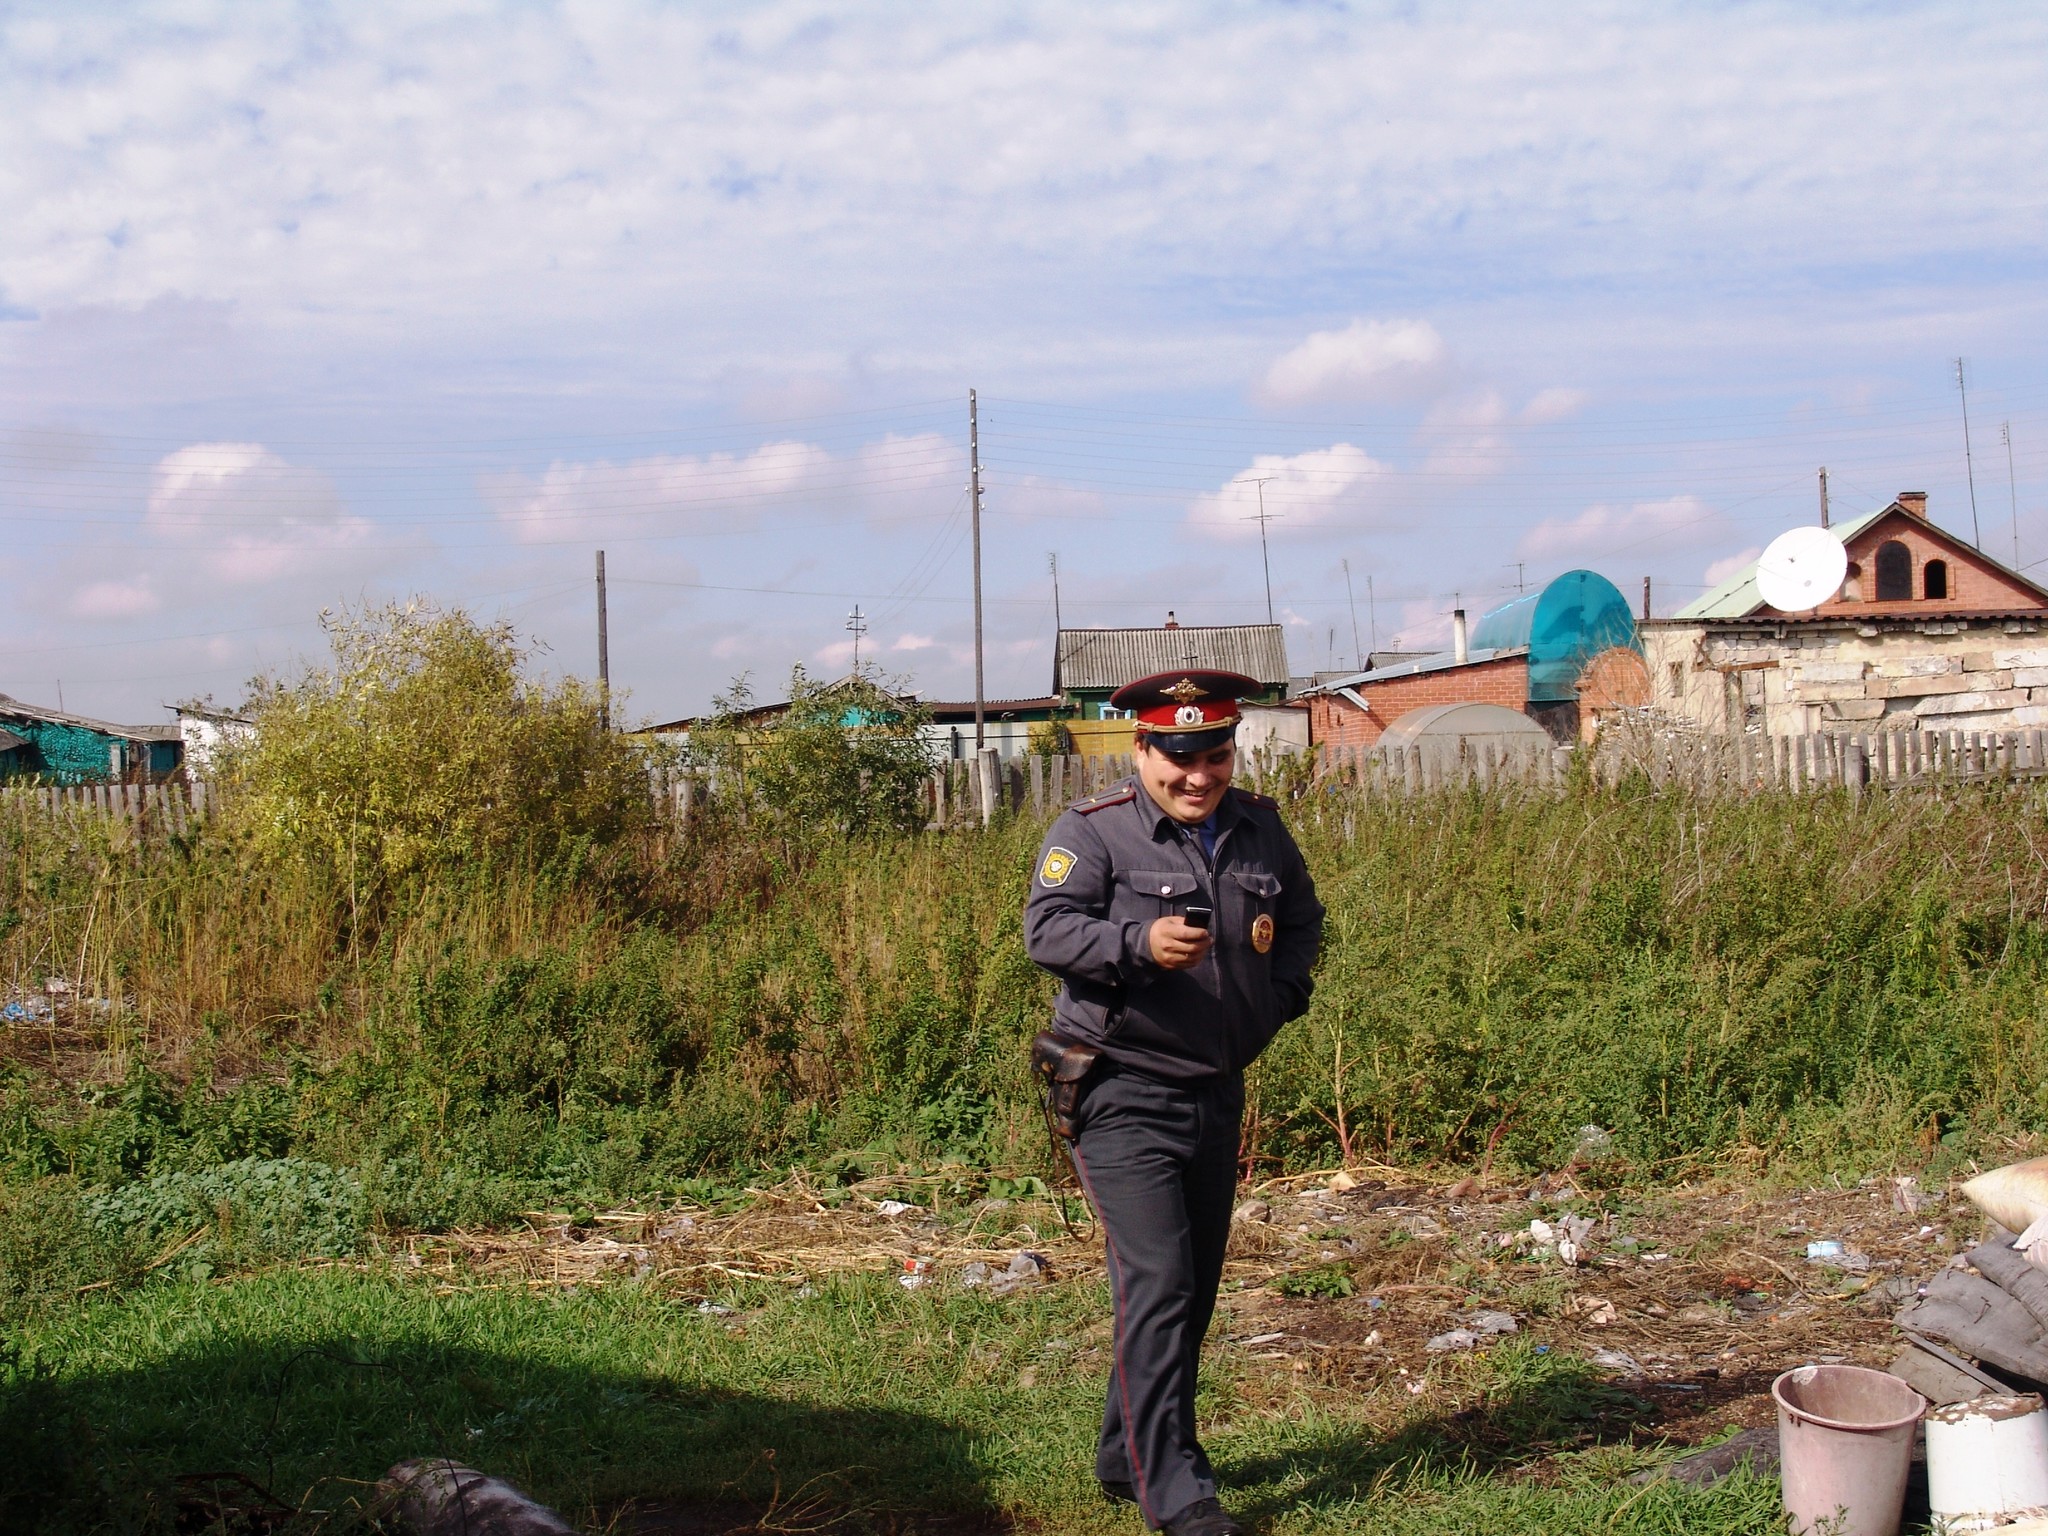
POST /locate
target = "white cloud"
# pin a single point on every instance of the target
(115, 600)
(913, 643)
(1554, 404)
(1718, 571)
(1369, 360)
(1302, 490)
(1467, 436)
(251, 516)
(722, 493)
(1604, 529)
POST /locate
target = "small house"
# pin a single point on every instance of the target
(1926, 632)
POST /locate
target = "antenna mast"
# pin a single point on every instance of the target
(974, 469)
(1052, 561)
(2013, 488)
(1351, 598)
(1976, 533)
(1261, 517)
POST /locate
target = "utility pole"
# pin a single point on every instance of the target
(1261, 518)
(856, 625)
(604, 655)
(2013, 487)
(1823, 495)
(1372, 612)
(1357, 656)
(974, 470)
(1052, 561)
(1976, 533)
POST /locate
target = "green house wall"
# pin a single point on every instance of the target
(76, 754)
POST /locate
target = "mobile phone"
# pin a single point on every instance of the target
(1197, 917)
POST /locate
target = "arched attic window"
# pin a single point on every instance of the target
(1894, 572)
(1934, 579)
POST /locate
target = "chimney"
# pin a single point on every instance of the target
(1914, 504)
(1172, 622)
(1461, 651)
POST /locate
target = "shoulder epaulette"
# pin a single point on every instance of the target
(1109, 797)
(1266, 802)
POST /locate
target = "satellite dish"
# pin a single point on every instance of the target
(1801, 569)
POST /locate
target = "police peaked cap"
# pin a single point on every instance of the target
(1187, 711)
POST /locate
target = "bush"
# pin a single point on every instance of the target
(237, 1213)
(846, 757)
(421, 744)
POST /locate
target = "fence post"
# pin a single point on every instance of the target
(1857, 765)
(1037, 785)
(986, 766)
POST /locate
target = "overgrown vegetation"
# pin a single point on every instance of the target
(437, 962)
(601, 1006)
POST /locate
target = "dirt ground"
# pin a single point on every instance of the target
(1690, 1300)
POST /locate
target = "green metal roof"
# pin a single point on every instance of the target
(1737, 597)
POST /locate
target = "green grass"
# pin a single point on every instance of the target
(853, 1398)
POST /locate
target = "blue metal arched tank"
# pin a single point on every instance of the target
(1565, 624)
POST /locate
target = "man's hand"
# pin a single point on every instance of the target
(1175, 945)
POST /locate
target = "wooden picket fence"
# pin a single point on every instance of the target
(1865, 761)
(176, 808)
(970, 792)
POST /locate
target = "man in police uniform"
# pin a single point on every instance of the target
(1172, 1012)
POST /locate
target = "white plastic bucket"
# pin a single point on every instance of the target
(1987, 1461)
(1845, 1442)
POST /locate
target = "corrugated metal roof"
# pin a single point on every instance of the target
(1438, 661)
(15, 709)
(1109, 658)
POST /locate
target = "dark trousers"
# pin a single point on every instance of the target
(1159, 1163)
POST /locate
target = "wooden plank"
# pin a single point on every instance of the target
(1980, 1319)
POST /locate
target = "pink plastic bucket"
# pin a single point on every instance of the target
(1845, 1441)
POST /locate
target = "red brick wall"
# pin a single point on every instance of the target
(1337, 721)
(1974, 585)
(1615, 680)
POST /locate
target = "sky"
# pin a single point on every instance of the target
(305, 307)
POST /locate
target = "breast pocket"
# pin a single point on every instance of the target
(1255, 894)
(1168, 888)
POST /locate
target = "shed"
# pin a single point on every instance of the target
(76, 749)
(1456, 725)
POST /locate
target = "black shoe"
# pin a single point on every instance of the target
(1116, 1492)
(1204, 1517)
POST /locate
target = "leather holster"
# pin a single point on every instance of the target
(1061, 1065)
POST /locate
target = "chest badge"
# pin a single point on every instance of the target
(1262, 932)
(1059, 863)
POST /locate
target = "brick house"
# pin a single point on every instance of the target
(1926, 633)
(1564, 655)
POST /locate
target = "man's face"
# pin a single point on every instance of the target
(1188, 786)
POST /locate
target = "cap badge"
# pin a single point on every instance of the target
(1186, 691)
(1188, 714)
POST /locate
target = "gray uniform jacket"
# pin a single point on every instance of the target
(1114, 863)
